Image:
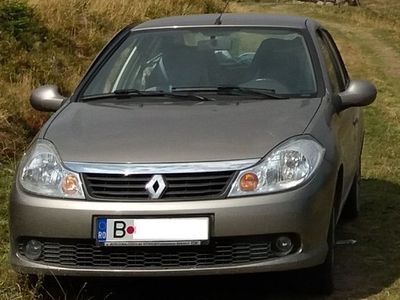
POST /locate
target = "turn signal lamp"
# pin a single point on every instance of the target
(70, 184)
(248, 182)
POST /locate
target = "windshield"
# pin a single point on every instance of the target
(276, 60)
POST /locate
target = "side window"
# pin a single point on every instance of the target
(338, 58)
(335, 74)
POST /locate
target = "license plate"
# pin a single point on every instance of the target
(152, 231)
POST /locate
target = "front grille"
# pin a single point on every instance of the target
(182, 186)
(220, 252)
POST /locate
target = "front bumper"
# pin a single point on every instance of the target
(304, 211)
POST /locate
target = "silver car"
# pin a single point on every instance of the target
(195, 145)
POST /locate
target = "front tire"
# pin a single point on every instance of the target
(351, 208)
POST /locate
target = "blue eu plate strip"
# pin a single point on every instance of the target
(101, 229)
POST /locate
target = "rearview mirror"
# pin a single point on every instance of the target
(358, 93)
(46, 98)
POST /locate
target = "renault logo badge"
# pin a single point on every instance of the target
(156, 186)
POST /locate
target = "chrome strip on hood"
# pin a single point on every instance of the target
(162, 168)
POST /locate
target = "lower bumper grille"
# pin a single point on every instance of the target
(220, 252)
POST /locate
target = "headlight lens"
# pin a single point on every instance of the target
(287, 166)
(44, 174)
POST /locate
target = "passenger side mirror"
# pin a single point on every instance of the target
(358, 93)
(47, 98)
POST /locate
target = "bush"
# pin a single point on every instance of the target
(17, 19)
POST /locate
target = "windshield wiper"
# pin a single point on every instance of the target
(187, 95)
(123, 93)
(268, 93)
(127, 93)
(175, 94)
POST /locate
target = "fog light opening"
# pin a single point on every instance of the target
(283, 245)
(33, 249)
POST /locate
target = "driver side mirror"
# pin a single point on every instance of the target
(47, 98)
(358, 93)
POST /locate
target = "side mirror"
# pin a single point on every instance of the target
(46, 98)
(358, 93)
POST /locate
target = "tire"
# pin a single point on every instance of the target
(351, 208)
(320, 279)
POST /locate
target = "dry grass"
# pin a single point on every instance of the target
(369, 41)
(81, 14)
(52, 42)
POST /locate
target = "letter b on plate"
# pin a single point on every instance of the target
(119, 229)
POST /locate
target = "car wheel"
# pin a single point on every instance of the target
(351, 208)
(319, 279)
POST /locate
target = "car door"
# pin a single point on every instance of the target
(345, 124)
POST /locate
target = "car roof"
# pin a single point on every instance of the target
(227, 19)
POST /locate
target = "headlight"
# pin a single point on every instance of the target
(287, 166)
(44, 174)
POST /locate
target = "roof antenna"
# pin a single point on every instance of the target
(218, 20)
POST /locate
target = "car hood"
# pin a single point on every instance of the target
(159, 132)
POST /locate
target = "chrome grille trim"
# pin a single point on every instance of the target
(161, 168)
(181, 186)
